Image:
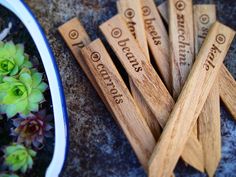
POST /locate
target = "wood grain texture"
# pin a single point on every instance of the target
(163, 9)
(157, 39)
(146, 111)
(132, 13)
(209, 120)
(191, 101)
(181, 34)
(209, 130)
(120, 100)
(228, 90)
(144, 76)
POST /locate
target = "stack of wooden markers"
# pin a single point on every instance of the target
(175, 113)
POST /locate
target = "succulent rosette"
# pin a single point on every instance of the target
(22, 94)
(33, 129)
(12, 59)
(18, 157)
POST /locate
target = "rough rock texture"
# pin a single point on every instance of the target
(97, 145)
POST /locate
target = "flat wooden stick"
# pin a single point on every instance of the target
(120, 100)
(228, 90)
(157, 39)
(163, 9)
(144, 76)
(209, 130)
(181, 32)
(209, 120)
(181, 42)
(191, 101)
(132, 13)
(204, 17)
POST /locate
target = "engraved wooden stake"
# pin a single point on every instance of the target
(132, 13)
(157, 39)
(181, 42)
(209, 120)
(191, 101)
(204, 17)
(145, 78)
(120, 100)
(228, 90)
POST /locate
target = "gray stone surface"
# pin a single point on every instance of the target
(97, 145)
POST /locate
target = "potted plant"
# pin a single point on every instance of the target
(33, 118)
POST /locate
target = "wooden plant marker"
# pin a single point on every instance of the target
(181, 42)
(209, 120)
(181, 32)
(146, 79)
(228, 90)
(227, 83)
(163, 9)
(204, 17)
(76, 38)
(191, 101)
(157, 39)
(120, 100)
(132, 13)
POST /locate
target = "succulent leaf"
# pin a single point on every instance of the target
(36, 96)
(34, 107)
(37, 78)
(11, 110)
(42, 86)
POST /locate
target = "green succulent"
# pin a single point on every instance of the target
(22, 94)
(18, 157)
(12, 59)
(8, 175)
